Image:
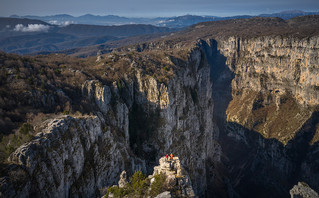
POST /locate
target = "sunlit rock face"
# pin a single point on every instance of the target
(277, 75)
(270, 112)
(302, 190)
(135, 120)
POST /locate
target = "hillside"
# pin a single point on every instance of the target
(9, 23)
(118, 31)
(236, 100)
(26, 36)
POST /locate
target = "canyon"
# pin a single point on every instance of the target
(236, 101)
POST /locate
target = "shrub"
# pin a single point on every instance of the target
(9, 149)
(304, 184)
(42, 71)
(43, 85)
(26, 128)
(116, 191)
(138, 183)
(157, 186)
(57, 71)
(30, 81)
(137, 187)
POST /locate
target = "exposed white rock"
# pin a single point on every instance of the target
(176, 178)
(123, 179)
(98, 59)
(176, 175)
(289, 64)
(98, 92)
(165, 194)
(71, 155)
(302, 190)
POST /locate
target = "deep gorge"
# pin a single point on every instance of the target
(241, 113)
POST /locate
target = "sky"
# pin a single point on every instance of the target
(152, 8)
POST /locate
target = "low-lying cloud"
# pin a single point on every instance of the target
(31, 28)
(61, 23)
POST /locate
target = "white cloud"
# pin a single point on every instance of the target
(61, 23)
(31, 28)
(54, 22)
(66, 23)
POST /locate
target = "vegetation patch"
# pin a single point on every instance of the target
(158, 186)
(137, 187)
(140, 186)
(11, 142)
(250, 110)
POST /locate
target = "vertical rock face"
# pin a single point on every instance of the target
(277, 75)
(188, 129)
(271, 117)
(135, 118)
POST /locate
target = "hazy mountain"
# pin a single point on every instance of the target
(188, 20)
(289, 14)
(8, 24)
(118, 31)
(88, 19)
(25, 36)
(34, 34)
(172, 22)
(27, 44)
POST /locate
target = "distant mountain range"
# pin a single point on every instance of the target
(289, 14)
(171, 22)
(27, 36)
(47, 34)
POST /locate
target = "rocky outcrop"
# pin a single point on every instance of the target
(165, 194)
(176, 181)
(302, 190)
(176, 176)
(72, 156)
(123, 179)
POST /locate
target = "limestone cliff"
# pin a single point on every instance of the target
(71, 157)
(267, 93)
(157, 117)
(136, 119)
(276, 83)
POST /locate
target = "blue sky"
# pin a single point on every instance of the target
(152, 8)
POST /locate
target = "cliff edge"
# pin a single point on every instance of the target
(169, 179)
